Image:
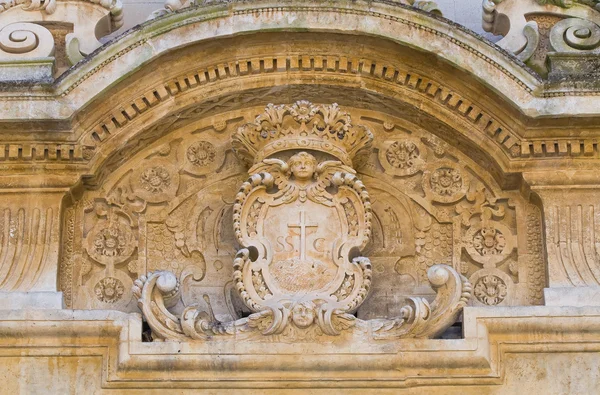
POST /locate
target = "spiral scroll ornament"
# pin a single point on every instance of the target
(574, 35)
(25, 40)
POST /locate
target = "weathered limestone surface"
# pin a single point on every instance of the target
(539, 349)
(326, 196)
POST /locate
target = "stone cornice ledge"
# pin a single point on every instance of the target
(465, 50)
(490, 334)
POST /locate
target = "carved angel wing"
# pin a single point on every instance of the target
(325, 171)
(281, 174)
(342, 322)
(262, 320)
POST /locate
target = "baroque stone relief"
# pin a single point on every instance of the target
(168, 217)
(452, 213)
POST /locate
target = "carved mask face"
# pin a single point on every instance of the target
(302, 166)
(303, 315)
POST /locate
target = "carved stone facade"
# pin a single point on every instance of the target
(173, 208)
(305, 196)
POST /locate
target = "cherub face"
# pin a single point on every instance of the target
(303, 315)
(302, 166)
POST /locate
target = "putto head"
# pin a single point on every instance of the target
(303, 166)
(303, 314)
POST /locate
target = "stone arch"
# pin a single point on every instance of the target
(377, 76)
(192, 80)
(186, 217)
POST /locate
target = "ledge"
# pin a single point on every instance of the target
(490, 335)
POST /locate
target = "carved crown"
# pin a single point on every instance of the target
(306, 126)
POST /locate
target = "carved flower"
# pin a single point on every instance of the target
(201, 153)
(489, 241)
(155, 179)
(345, 289)
(402, 155)
(259, 284)
(446, 181)
(253, 215)
(490, 290)
(110, 242)
(303, 111)
(88, 153)
(109, 290)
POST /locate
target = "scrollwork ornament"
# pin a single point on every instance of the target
(301, 220)
(25, 40)
(157, 291)
(575, 35)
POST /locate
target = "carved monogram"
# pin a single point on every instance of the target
(302, 223)
(332, 217)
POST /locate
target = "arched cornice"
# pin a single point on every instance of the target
(387, 20)
(203, 61)
(367, 73)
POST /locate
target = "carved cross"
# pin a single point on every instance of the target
(302, 225)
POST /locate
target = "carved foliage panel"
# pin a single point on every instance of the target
(431, 205)
(170, 207)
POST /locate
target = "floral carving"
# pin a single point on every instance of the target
(402, 155)
(490, 290)
(201, 153)
(109, 290)
(301, 219)
(155, 179)
(253, 215)
(346, 287)
(352, 217)
(111, 243)
(446, 181)
(489, 241)
(259, 284)
(303, 111)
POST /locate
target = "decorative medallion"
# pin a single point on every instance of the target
(402, 157)
(155, 181)
(110, 242)
(202, 157)
(492, 287)
(490, 290)
(302, 219)
(445, 182)
(109, 290)
(489, 241)
(201, 153)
